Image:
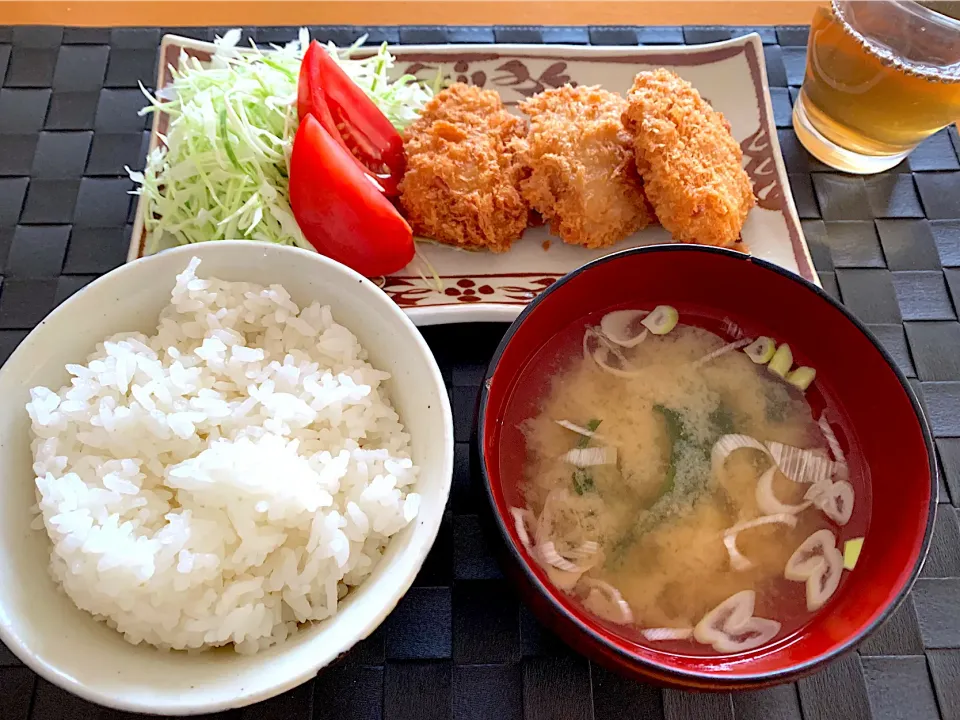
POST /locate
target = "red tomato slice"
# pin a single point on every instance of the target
(353, 119)
(341, 212)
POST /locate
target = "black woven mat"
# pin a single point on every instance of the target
(460, 644)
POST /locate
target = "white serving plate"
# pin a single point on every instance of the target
(487, 287)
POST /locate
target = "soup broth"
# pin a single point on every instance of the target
(635, 486)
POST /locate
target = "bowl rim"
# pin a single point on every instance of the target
(719, 682)
(40, 664)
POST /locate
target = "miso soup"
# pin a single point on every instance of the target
(685, 483)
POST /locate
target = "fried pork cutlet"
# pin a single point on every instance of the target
(460, 187)
(690, 163)
(581, 173)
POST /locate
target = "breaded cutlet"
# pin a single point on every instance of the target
(581, 175)
(461, 184)
(690, 163)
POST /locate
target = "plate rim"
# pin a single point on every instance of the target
(507, 312)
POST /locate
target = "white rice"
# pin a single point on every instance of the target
(225, 479)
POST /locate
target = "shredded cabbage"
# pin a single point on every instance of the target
(401, 100)
(221, 172)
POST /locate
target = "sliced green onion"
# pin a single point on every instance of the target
(727, 444)
(524, 521)
(767, 500)
(801, 377)
(548, 551)
(735, 345)
(782, 361)
(588, 457)
(831, 438)
(606, 602)
(761, 350)
(739, 561)
(811, 467)
(667, 633)
(573, 427)
(620, 327)
(851, 552)
(662, 320)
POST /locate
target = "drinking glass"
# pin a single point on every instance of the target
(881, 76)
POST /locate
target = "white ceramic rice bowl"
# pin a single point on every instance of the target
(65, 645)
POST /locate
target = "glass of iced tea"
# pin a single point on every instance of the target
(881, 76)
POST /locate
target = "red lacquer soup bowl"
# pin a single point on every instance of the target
(886, 436)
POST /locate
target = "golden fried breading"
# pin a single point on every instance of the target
(460, 187)
(690, 163)
(582, 175)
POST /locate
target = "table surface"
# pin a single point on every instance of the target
(389, 12)
(461, 644)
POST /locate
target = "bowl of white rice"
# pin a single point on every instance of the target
(222, 467)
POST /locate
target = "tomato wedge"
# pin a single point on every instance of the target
(342, 213)
(350, 117)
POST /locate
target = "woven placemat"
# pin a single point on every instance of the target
(461, 644)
